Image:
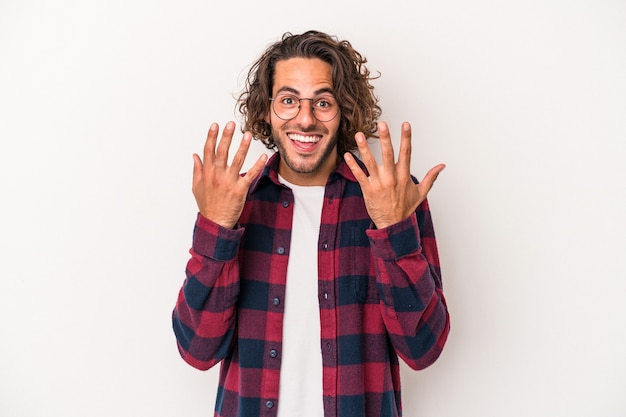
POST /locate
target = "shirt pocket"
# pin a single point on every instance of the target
(363, 278)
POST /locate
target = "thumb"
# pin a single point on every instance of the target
(431, 176)
(197, 169)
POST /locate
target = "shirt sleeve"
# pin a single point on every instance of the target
(205, 312)
(408, 278)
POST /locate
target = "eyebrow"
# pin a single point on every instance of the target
(315, 93)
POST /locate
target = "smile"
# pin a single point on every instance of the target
(304, 138)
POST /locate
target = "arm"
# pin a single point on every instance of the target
(408, 276)
(404, 249)
(205, 313)
(204, 317)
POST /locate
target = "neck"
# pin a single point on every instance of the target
(317, 177)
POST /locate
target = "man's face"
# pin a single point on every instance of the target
(308, 147)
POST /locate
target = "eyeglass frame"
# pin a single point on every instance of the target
(312, 100)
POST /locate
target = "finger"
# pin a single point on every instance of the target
(197, 169)
(256, 169)
(404, 156)
(356, 169)
(242, 151)
(209, 145)
(430, 177)
(366, 155)
(221, 154)
(386, 147)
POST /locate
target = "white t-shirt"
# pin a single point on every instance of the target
(300, 392)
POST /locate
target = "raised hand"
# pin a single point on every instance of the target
(389, 193)
(220, 190)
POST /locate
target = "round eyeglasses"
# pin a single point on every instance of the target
(287, 106)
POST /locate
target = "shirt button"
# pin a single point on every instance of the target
(325, 245)
(285, 203)
(329, 347)
(273, 353)
(276, 301)
(281, 250)
(269, 404)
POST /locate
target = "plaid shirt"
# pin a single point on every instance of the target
(380, 297)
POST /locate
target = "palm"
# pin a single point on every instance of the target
(389, 192)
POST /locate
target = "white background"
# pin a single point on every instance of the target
(103, 103)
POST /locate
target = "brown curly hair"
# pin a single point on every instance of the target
(351, 80)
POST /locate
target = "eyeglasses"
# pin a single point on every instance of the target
(287, 106)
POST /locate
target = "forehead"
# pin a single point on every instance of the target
(303, 75)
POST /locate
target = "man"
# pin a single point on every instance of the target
(312, 272)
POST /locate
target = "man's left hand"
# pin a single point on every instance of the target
(389, 192)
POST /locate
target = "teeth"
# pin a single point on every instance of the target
(302, 138)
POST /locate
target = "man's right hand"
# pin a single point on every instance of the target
(220, 190)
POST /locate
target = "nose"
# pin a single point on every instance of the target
(305, 114)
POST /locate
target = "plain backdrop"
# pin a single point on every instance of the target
(103, 103)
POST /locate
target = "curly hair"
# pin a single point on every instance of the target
(351, 80)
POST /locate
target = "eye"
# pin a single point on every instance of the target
(288, 100)
(324, 103)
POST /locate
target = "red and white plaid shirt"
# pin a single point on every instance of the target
(380, 297)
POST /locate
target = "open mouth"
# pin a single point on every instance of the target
(304, 138)
(304, 143)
